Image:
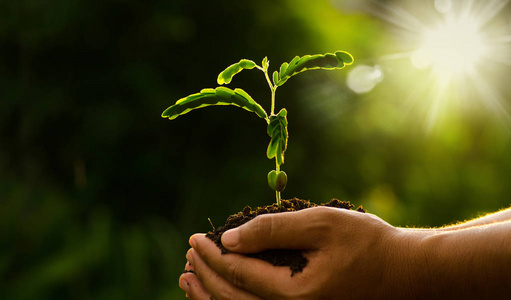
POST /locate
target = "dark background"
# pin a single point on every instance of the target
(99, 194)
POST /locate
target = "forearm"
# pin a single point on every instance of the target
(471, 263)
(501, 216)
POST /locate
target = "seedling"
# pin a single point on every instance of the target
(277, 123)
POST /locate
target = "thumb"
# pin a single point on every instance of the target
(305, 229)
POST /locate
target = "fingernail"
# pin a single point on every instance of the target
(231, 238)
(192, 242)
(184, 285)
(189, 256)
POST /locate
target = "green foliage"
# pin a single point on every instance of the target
(265, 63)
(275, 77)
(277, 130)
(277, 124)
(218, 96)
(328, 61)
(226, 76)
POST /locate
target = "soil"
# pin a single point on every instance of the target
(278, 257)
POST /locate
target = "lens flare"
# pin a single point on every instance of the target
(363, 79)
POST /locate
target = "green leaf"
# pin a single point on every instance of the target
(275, 77)
(345, 56)
(226, 75)
(277, 130)
(265, 63)
(281, 82)
(283, 68)
(218, 96)
(327, 61)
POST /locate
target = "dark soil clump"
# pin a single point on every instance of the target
(278, 257)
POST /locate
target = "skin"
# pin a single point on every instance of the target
(354, 256)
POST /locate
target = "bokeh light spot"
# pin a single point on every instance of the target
(363, 78)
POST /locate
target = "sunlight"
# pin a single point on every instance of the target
(458, 49)
(453, 47)
(446, 57)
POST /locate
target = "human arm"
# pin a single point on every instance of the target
(491, 218)
(469, 263)
(500, 216)
(354, 256)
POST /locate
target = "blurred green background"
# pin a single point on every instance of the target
(99, 194)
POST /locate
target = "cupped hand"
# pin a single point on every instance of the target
(351, 255)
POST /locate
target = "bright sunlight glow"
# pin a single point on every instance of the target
(464, 45)
(453, 47)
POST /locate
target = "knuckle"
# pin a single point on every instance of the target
(320, 222)
(234, 273)
(261, 226)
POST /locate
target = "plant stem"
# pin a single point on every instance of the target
(211, 224)
(277, 193)
(272, 88)
(268, 79)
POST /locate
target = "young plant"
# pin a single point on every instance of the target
(277, 123)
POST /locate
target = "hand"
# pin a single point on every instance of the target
(351, 255)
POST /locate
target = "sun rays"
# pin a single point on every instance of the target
(448, 52)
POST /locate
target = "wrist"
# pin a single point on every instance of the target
(407, 275)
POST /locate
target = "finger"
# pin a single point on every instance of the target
(250, 274)
(214, 283)
(188, 268)
(305, 229)
(193, 287)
